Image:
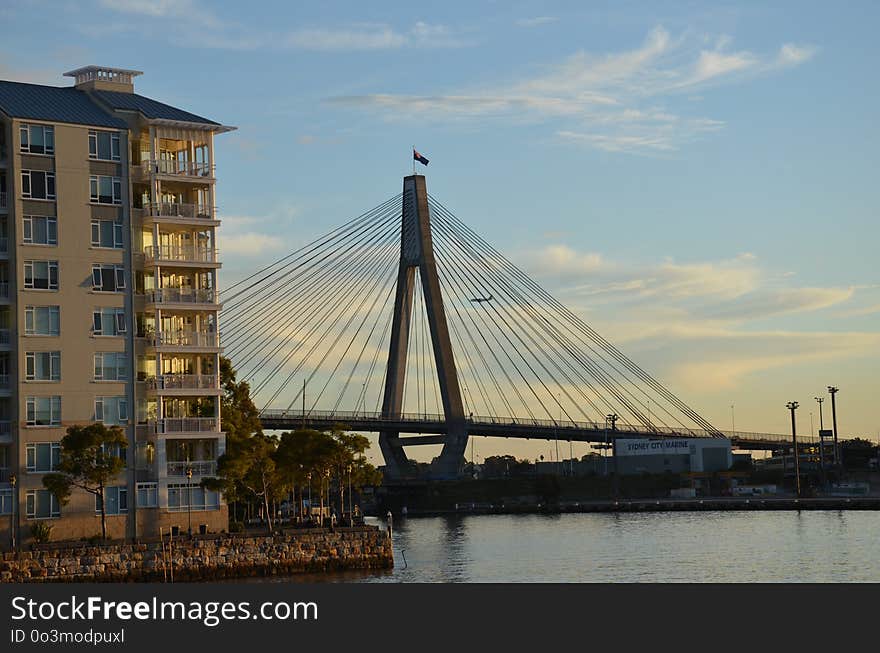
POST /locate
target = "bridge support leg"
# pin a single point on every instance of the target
(417, 251)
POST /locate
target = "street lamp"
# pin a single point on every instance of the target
(350, 513)
(792, 406)
(13, 479)
(309, 477)
(833, 391)
(819, 400)
(732, 421)
(189, 475)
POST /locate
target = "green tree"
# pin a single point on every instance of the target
(91, 457)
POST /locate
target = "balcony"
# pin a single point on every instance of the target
(3, 200)
(183, 382)
(175, 210)
(199, 467)
(5, 337)
(4, 245)
(183, 169)
(4, 290)
(5, 431)
(4, 474)
(195, 339)
(183, 425)
(181, 296)
(4, 382)
(180, 254)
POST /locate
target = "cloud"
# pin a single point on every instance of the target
(364, 37)
(249, 244)
(612, 102)
(537, 21)
(195, 25)
(154, 8)
(793, 55)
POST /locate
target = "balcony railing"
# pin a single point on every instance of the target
(174, 167)
(183, 425)
(3, 200)
(181, 296)
(4, 289)
(4, 245)
(183, 382)
(183, 339)
(190, 253)
(177, 210)
(5, 427)
(4, 382)
(4, 474)
(5, 336)
(199, 467)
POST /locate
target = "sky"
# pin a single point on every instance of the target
(693, 178)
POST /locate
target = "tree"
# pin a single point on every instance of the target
(857, 452)
(241, 422)
(91, 457)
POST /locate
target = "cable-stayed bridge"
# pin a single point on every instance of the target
(405, 322)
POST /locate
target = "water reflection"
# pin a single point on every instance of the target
(777, 546)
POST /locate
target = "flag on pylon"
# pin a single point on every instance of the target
(418, 157)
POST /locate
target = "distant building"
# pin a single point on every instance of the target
(674, 455)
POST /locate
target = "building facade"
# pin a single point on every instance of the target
(108, 302)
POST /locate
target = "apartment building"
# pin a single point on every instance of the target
(108, 302)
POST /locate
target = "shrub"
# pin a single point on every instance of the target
(41, 532)
(236, 527)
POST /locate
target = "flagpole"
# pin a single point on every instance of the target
(414, 160)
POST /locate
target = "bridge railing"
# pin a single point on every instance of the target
(562, 426)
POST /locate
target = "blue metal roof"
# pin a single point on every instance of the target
(149, 108)
(54, 104)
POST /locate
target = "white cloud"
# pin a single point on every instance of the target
(603, 96)
(792, 55)
(536, 21)
(364, 37)
(148, 7)
(249, 244)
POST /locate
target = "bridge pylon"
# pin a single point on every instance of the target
(417, 252)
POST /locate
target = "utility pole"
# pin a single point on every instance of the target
(792, 406)
(13, 479)
(833, 391)
(732, 421)
(819, 400)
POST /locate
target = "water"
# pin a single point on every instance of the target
(773, 546)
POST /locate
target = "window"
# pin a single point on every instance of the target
(108, 322)
(104, 146)
(41, 275)
(37, 139)
(6, 502)
(202, 499)
(43, 411)
(37, 185)
(147, 495)
(42, 320)
(108, 278)
(41, 504)
(110, 366)
(107, 233)
(111, 410)
(37, 230)
(105, 190)
(116, 498)
(43, 456)
(43, 365)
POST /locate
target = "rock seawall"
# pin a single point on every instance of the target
(204, 558)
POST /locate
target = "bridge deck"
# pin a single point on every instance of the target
(430, 429)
